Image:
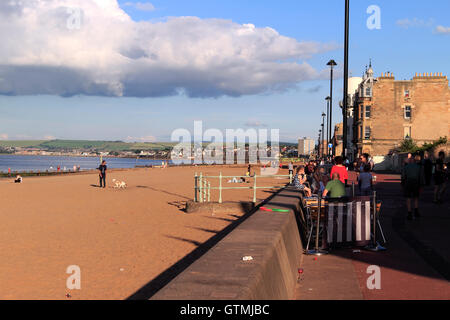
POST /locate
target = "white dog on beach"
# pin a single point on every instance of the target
(119, 184)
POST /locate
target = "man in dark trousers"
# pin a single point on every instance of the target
(102, 174)
(412, 182)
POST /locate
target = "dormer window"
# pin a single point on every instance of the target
(368, 92)
(406, 93)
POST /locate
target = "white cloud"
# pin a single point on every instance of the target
(143, 6)
(443, 30)
(255, 123)
(112, 55)
(415, 22)
(3, 136)
(141, 139)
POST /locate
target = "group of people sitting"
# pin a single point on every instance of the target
(313, 179)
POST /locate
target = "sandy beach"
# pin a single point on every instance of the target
(120, 239)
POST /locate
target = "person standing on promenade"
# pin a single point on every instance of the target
(341, 169)
(439, 177)
(365, 182)
(427, 168)
(412, 181)
(102, 174)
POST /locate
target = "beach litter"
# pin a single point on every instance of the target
(247, 258)
(273, 210)
(68, 295)
(300, 271)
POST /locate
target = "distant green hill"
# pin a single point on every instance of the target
(87, 145)
(105, 146)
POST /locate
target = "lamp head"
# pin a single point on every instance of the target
(332, 63)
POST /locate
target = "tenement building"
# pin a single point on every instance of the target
(386, 111)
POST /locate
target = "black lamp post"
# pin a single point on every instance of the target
(345, 99)
(327, 137)
(323, 131)
(319, 144)
(332, 64)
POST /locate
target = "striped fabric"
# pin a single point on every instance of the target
(348, 223)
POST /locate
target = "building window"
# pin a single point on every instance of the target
(408, 112)
(406, 93)
(367, 133)
(368, 112)
(407, 132)
(368, 92)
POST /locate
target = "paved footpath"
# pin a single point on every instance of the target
(415, 266)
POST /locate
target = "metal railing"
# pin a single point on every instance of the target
(202, 187)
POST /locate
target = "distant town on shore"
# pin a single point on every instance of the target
(91, 148)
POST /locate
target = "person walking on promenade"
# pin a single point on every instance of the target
(365, 182)
(439, 177)
(412, 181)
(102, 174)
(427, 168)
(341, 169)
(291, 168)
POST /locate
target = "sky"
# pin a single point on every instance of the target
(138, 70)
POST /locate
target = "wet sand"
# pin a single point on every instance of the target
(120, 239)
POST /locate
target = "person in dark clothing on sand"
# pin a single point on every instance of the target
(102, 174)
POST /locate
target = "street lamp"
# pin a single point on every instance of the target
(327, 137)
(332, 64)
(345, 99)
(318, 144)
(323, 131)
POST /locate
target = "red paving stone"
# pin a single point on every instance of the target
(408, 271)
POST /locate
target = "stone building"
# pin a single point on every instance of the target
(306, 146)
(386, 111)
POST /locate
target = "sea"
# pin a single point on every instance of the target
(22, 163)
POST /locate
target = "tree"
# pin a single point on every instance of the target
(408, 145)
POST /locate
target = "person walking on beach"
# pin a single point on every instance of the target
(412, 181)
(102, 174)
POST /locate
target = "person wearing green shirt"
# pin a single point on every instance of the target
(335, 188)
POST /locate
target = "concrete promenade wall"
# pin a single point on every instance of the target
(271, 238)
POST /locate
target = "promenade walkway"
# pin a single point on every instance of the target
(415, 266)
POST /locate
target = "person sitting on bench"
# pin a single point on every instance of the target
(335, 189)
(300, 179)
